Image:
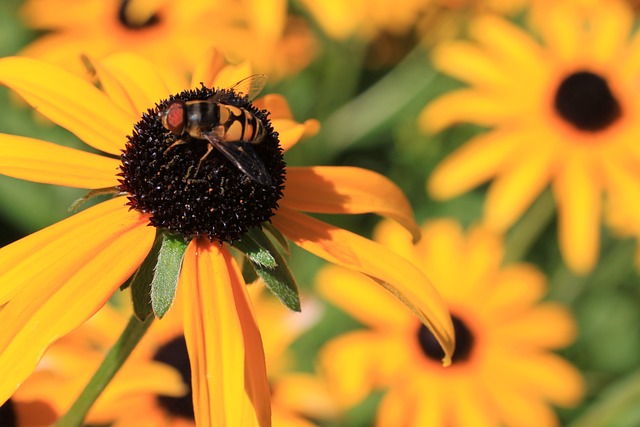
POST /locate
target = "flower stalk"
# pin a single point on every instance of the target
(114, 359)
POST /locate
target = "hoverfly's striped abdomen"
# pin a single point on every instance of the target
(239, 125)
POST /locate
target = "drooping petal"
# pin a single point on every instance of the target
(41, 161)
(69, 101)
(396, 274)
(223, 341)
(131, 81)
(352, 292)
(347, 190)
(64, 274)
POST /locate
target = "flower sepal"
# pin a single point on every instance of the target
(270, 265)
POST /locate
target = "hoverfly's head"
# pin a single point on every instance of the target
(174, 117)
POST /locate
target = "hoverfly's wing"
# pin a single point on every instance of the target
(242, 155)
(250, 86)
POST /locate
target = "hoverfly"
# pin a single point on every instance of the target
(229, 129)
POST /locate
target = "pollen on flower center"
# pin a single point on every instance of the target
(585, 100)
(174, 353)
(127, 21)
(464, 342)
(188, 191)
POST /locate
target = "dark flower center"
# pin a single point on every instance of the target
(192, 188)
(8, 415)
(584, 99)
(132, 24)
(464, 342)
(174, 353)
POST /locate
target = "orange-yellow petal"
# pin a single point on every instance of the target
(515, 189)
(132, 82)
(41, 161)
(220, 335)
(353, 293)
(347, 190)
(396, 274)
(474, 163)
(61, 248)
(464, 106)
(64, 274)
(69, 101)
(578, 194)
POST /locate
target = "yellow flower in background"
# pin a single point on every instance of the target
(173, 34)
(296, 397)
(563, 113)
(55, 279)
(365, 19)
(153, 387)
(503, 371)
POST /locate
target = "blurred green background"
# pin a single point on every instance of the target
(368, 117)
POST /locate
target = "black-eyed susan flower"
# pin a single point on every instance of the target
(503, 371)
(563, 113)
(172, 34)
(55, 279)
(153, 387)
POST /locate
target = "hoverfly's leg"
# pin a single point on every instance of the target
(209, 150)
(175, 144)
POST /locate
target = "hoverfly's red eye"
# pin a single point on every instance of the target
(173, 118)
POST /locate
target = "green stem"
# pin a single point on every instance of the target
(112, 362)
(619, 399)
(371, 109)
(527, 231)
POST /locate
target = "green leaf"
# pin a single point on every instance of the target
(140, 283)
(248, 271)
(256, 253)
(278, 279)
(167, 273)
(282, 241)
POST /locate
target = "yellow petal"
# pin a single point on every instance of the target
(69, 101)
(207, 68)
(464, 106)
(470, 64)
(349, 368)
(41, 161)
(65, 274)
(610, 28)
(474, 163)
(563, 31)
(547, 376)
(393, 272)
(347, 190)
(221, 339)
(578, 196)
(547, 326)
(62, 247)
(515, 189)
(354, 293)
(131, 81)
(511, 47)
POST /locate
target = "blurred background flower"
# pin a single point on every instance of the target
(562, 114)
(503, 371)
